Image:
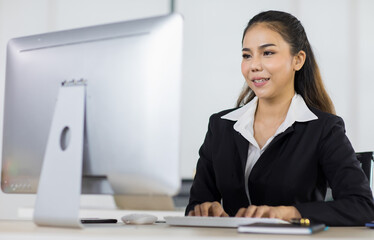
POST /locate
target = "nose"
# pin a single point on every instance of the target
(256, 64)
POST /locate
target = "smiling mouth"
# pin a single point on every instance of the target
(261, 80)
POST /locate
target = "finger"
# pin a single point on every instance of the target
(224, 214)
(241, 212)
(191, 213)
(204, 209)
(262, 211)
(197, 210)
(216, 209)
(251, 210)
(272, 213)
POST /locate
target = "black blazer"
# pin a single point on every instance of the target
(294, 170)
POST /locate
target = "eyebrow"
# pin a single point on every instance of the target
(260, 47)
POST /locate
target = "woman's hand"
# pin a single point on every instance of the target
(282, 212)
(214, 209)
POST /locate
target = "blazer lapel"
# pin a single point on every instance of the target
(242, 145)
(264, 161)
(280, 136)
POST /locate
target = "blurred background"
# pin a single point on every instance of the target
(341, 33)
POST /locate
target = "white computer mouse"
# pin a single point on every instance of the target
(139, 218)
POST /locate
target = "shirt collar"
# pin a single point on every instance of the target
(298, 110)
(244, 116)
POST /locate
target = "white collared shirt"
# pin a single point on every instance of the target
(244, 117)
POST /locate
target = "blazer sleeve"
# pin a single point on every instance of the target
(204, 185)
(353, 199)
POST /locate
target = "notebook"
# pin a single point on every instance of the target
(229, 222)
(281, 228)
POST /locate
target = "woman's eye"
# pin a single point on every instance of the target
(246, 56)
(268, 53)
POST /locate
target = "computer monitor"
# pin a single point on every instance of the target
(132, 77)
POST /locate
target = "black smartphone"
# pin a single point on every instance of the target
(98, 220)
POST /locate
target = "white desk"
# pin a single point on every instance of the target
(17, 230)
(26, 229)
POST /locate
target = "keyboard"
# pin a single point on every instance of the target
(229, 222)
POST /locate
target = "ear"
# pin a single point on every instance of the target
(299, 60)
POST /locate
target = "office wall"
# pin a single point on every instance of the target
(340, 32)
(341, 35)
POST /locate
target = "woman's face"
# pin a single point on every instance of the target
(268, 66)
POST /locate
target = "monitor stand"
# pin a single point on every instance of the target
(58, 196)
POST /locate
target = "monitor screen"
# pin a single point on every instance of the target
(132, 71)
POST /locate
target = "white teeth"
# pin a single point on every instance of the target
(260, 80)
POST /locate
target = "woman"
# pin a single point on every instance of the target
(274, 156)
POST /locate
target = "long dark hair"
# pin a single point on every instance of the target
(308, 81)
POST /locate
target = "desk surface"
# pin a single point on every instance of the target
(27, 230)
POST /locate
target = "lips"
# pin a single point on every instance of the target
(259, 82)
